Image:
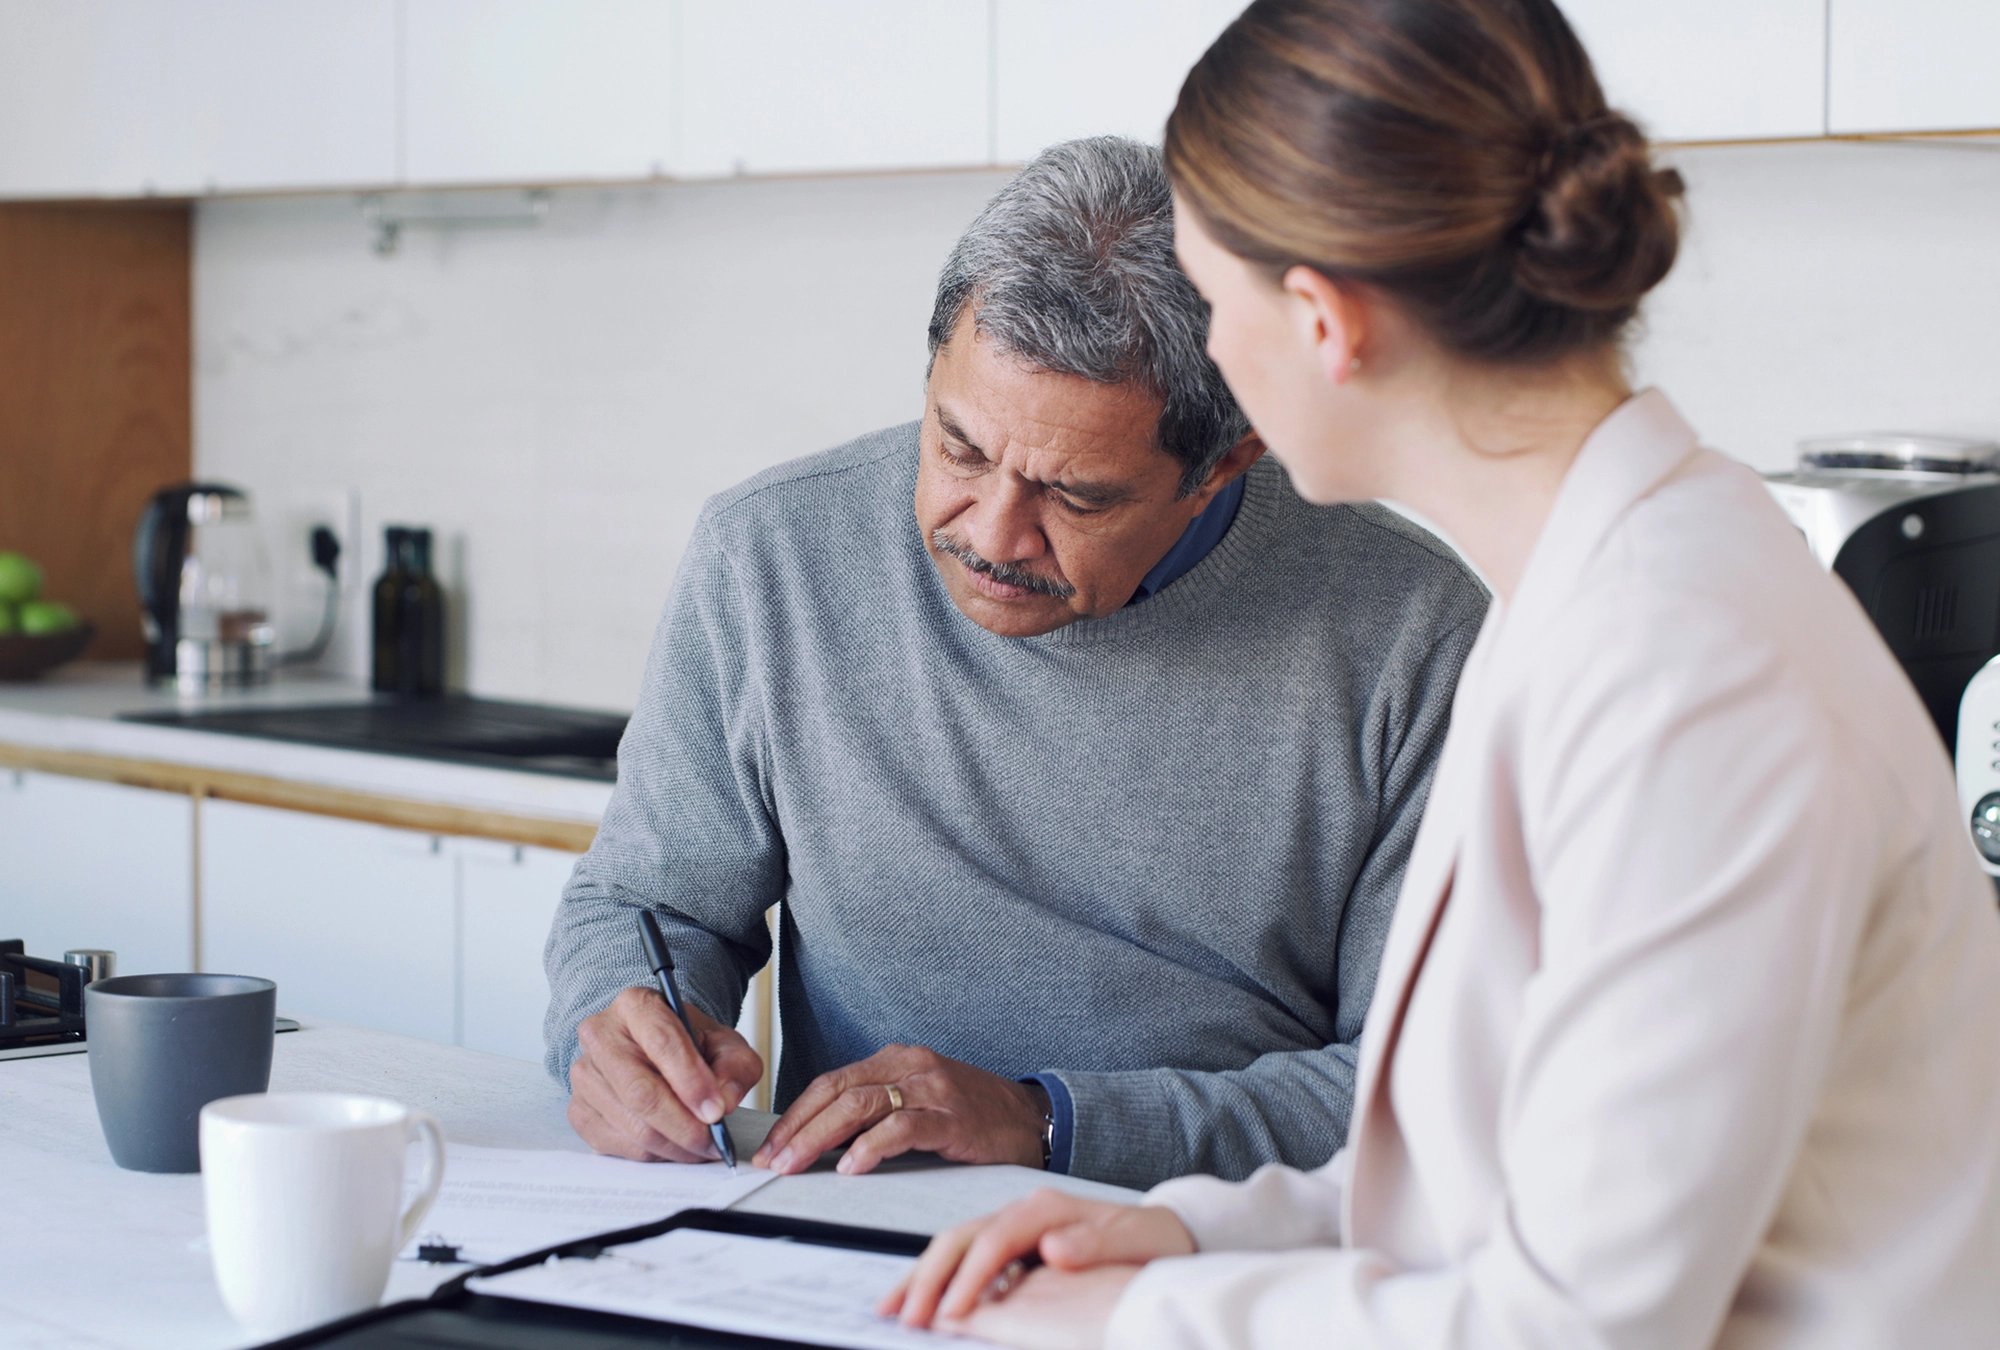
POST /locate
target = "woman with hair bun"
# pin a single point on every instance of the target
(1688, 1025)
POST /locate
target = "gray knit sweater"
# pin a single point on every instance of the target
(1154, 854)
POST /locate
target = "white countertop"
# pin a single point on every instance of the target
(76, 709)
(104, 1259)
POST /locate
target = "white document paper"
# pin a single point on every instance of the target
(794, 1291)
(498, 1203)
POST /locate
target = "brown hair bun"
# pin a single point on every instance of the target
(1455, 155)
(1601, 230)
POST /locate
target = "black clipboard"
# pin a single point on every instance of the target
(455, 1318)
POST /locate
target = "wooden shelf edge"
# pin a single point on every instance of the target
(1945, 137)
(256, 790)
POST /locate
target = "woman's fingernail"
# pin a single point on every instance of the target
(710, 1111)
(846, 1164)
(782, 1161)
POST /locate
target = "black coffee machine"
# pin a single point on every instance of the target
(1911, 522)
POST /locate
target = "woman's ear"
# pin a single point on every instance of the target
(1332, 318)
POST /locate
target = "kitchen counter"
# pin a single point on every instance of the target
(111, 1259)
(67, 723)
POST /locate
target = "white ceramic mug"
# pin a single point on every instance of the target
(303, 1191)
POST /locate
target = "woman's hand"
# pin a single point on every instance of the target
(960, 1266)
(1050, 1310)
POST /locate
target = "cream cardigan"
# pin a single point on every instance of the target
(1688, 1027)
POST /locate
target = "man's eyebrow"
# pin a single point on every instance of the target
(949, 425)
(1091, 494)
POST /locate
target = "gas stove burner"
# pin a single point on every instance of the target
(41, 1001)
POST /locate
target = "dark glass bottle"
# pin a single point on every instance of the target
(409, 619)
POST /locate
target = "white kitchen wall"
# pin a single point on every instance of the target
(558, 402)
(1832, 287)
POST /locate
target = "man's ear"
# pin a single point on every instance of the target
(1233, 465)
(1332, 318)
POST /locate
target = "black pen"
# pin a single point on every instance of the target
(662, 962)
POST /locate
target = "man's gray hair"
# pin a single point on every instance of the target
(1071, 268)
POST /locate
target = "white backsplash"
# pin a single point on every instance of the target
(1829, 288)
(557, 402)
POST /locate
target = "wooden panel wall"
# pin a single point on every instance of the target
(95, 409)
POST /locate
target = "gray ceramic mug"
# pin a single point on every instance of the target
(164, 1046)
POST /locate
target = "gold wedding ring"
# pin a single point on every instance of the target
(895, 1098)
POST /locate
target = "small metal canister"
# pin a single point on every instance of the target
(98, 964)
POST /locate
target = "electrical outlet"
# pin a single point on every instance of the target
(290, 521)
(343, 516)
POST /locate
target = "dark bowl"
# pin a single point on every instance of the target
(24, 658)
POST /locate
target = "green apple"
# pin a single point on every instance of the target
(20, 578)
(42, 617)
(10, 623)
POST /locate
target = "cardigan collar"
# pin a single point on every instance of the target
(1643, 442)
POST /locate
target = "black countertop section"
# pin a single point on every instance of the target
(529, 737)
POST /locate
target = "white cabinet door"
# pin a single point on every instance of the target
(787, 86)
(1914, 65)
(1694, 70)
(1064, 69)
(355, 922)
(502, 91)
(83, 90)
(125, 97)
(507, 899)
(1700, 70)
(294, 95)
(87, 864)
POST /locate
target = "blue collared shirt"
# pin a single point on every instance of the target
(1203, 533)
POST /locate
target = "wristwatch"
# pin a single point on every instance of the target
(1048, 1124)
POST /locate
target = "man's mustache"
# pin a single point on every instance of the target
(1007, 574)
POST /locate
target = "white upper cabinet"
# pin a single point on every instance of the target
(1064, 69)
(791, 86)
(271, 96)
(130, 97)
(1692, 70)
(82, 89)
(1711, 70)
(507, 91)
(125, 98)
(1914, 65)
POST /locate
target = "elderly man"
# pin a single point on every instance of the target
(1084, 790)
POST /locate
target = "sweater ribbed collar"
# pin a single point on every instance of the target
(1203, 584)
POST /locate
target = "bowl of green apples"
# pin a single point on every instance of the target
(36, 634)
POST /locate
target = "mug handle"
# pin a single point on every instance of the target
(433, 1177)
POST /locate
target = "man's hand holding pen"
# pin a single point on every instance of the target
(641, 1088)
(654, 1076)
